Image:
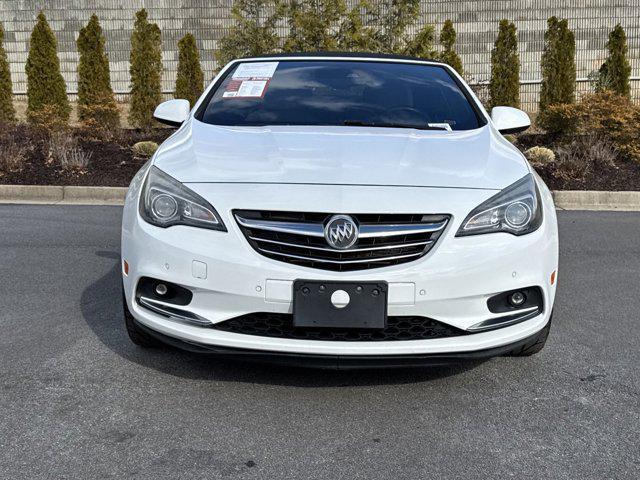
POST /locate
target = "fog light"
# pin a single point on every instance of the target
(517, 299)
(161, 289)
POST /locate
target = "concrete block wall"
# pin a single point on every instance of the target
(475, 21)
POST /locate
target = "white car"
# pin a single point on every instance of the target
(340, 210)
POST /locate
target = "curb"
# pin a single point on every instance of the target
(54, 194)
(595, 200)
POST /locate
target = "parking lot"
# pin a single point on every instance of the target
(78, 400)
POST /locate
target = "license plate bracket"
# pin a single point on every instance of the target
(366, 306)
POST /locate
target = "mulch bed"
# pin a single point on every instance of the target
(624, 176)
(114, 164)
(112, 161)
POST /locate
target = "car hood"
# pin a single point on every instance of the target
(202, 153)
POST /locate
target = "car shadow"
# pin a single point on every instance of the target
(101, 308)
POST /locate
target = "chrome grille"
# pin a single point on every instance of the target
(298, 238)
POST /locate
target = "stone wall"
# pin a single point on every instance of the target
(475, 21)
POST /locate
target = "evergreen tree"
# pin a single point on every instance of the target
(504, 87)
(558, 65)
(96, 101)
(189, 79)
(616, 70)
(358, 31)
(46, 88)
(447, 40)
(396, 16)
(253, 32)
(7, 112)
(312, 25)
(421, 45)
(146, 71)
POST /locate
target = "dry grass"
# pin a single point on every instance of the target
(64, 149)
(584, 156)
(12, 155)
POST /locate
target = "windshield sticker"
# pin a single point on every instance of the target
(247, 71)
(250, 80)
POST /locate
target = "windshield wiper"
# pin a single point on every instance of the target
(428, 126)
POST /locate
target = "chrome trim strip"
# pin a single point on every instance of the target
(171, 311)
(342, 262)
(317, 229)
(390, 230)
(514, 312)
(512, 319)
(349, 250)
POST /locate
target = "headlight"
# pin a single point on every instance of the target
(516, 210)
(166, 202)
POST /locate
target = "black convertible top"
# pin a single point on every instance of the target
(343, 54)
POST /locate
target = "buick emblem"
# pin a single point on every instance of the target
(341, 232)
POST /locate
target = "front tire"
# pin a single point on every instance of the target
(536, 343)
(136, 334)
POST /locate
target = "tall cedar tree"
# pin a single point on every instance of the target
(358, 31)
(616, 70)
(396, 16)
(189, 80)
(46, 89)
(379, 26)
(146, 71)
(253, 32)
(421, 45)
(312, 25)
(7, 112)
(558, 65)
(96, 101)
(447, 40)
(504, 87)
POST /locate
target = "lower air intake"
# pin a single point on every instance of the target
(280, 325)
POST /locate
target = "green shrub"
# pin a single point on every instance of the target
(46, 89)
(421, 45)
(7, 111)
(146, 71)
(145, 149)
(606, 115)
(447, 40)
(311, 25)
(504, 87)
(96, 102)
(189, 79)
(615, 72)
(253, 32)
(614, 118)
(558, 65)
(561, 119)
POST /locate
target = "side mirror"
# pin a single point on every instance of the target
(172, 112)
(510, 120)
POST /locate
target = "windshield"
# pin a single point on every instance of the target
(354, 93)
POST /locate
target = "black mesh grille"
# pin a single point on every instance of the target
(315, 252)
(280, 325)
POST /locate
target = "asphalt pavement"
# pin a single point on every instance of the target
(78, 400)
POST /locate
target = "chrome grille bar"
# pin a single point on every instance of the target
(308, 229)
(323, 249)
(324, 260)
(317, 230)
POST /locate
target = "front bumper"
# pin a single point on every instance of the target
(339, 362)
(451, 284)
